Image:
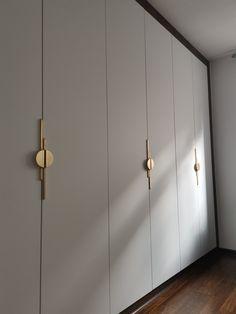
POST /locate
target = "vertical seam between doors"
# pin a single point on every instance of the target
(213, 153)
(147, 124)
(42, 52)
(108, 161)
(194, 107)
(41, 203)
(146, 83)
(175, 141)
(195, 134)
(195, 144)
(41, 251)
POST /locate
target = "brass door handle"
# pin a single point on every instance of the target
(149, 164)
(44, 159)
(196, 166)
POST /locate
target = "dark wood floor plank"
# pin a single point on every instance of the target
(229, 305)
(210, 288)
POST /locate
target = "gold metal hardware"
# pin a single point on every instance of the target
(149, 164)
(44, 159)
(196, 166)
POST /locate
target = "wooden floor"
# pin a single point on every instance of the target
(208, 288)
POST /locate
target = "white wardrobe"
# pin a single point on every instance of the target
(106, 77)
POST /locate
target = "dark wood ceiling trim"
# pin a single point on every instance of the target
(154, 13)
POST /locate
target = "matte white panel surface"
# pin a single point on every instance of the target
(20, 109)
(129, 206)
(163, 195)
(187, 185)
(75, 213)
(223, 73)
(203, 145)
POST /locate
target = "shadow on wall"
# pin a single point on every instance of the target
(93, 272)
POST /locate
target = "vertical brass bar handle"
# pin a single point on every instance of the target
(149, 163)
(44, 159)
(196, 166)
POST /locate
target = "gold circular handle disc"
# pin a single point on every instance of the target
(44, 158)
(197, 167)
(150, 164)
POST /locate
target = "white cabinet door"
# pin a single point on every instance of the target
(129, 207)
(20, 109)
(163, 195)
(203, 147)
(185, 145)
(75, 263)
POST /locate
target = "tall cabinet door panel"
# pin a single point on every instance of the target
(75, 263)
(20, 109)
(129, 206)
(203, 146)
(185, 140)
(163, 194)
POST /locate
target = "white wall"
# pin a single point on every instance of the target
(223, 76)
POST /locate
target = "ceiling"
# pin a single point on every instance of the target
(209, 25)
